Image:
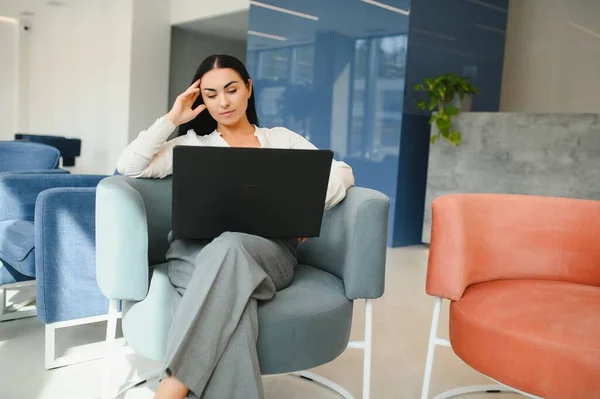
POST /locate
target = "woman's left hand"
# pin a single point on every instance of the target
(302, 239)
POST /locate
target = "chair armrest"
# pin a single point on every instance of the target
(65, 255)
(477, 238)
(352, 244)
(133, 218)
(18, 192)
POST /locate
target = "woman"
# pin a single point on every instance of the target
(211, 349)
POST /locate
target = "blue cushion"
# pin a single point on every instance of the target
(16, 245)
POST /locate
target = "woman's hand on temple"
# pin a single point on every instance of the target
(182, 111)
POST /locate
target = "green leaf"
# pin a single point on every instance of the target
(434, 138)
(455, 138)
(419, 87)
(451, 111)
(432, 119)
(444, 117)
(441, 92)
(432, 104)
(421, 105)
(443, 125)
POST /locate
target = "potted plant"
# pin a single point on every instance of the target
(446, 96)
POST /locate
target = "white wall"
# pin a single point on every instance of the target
(79, 78)
(151, 43)
(22, 84)
(189, 10)
(8, 85)
(188, 49)
(552, 56)
(98, 70)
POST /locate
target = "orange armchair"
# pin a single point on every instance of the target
(523, 277)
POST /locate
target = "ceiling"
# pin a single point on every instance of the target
(231, 26)
(350, 18)
(365, 20)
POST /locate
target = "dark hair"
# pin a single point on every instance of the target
(204, 123)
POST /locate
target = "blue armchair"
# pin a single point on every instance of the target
(22, 223)
(303, 326)
(65, 251)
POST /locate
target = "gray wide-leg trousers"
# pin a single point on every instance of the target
(212, 341)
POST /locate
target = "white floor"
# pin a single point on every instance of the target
(401, 322)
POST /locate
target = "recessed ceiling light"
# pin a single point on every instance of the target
(484, 4)
(490, 28)
(55, 3)
(7, 20)
(433, 34)
(284, 10)
(387, 7)
(27, 14)
(267, 35)
(585, 29)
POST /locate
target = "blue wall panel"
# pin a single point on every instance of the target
(338, 74)
(466, 37)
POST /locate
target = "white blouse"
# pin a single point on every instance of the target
(151, 156)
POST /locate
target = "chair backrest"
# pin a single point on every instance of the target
(157, 197)
(69, 148)
(485, 237)
(22, 155)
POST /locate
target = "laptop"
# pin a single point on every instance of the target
(272, 193)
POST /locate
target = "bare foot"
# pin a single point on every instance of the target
(171, 388)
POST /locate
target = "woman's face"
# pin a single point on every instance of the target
(225, 95)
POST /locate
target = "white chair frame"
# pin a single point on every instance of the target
(8, 314)
(109, 391)
(434, 341)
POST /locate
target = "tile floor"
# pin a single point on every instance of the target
(401, 321)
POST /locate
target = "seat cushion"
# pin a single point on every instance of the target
(16, 245)
(540, 337)
(303, 326)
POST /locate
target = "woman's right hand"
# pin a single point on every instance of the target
(182, 111)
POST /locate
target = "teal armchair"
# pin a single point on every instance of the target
(303, 326)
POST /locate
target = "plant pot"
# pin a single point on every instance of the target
(464, 104)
